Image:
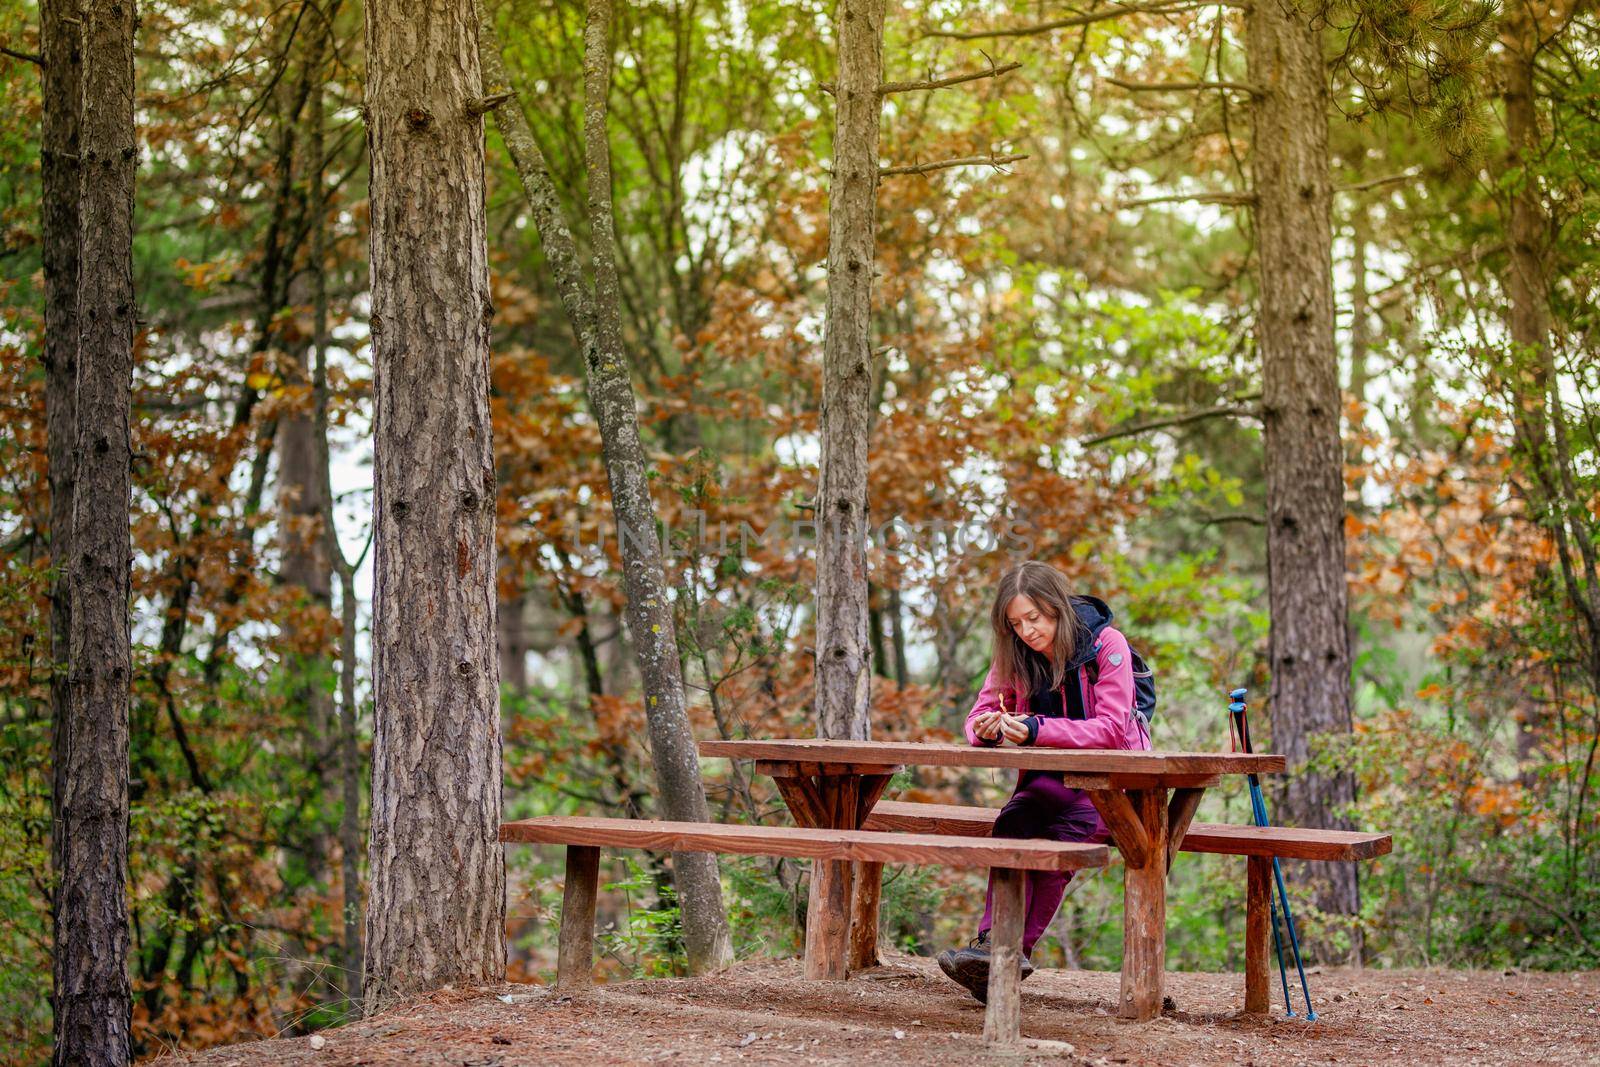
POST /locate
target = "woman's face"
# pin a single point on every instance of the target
(1031, 623)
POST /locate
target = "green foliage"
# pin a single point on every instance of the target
(650, 936)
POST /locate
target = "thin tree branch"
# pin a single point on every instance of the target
(954, 79)
(26, 57)
(944, 164)
(1236, 199)
(1183, 87)
(1233, 516)
(484, 104)
(1405, 175)
(1129, 429)
(1156, 8)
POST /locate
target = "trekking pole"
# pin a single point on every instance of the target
(1239, 742)
(1258, 806)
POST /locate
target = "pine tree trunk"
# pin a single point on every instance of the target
(1542, 427)
(351, 951)
(436, 868)
(1309, 641)
(92, 992)
(61, 72)
(1527, 237)
(513, 643)
(844, 652)
(902, 673)
(305, 565)
(306, 568)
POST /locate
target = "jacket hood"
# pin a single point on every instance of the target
(1094, 615)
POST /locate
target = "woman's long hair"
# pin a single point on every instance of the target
(1014, 660)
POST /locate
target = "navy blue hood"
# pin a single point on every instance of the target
(1094, 615)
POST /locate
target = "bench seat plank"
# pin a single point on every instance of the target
(1219, 838)
(863, 845)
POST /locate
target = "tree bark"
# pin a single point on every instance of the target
(1538, 414)
(436, 868)
(649, 610)
(513, 643)
(351, 950)
(902, 674)
(1309, 642)
(60, 76)
(844, 652)
(306, 567)
(596, 321)
(93, 998)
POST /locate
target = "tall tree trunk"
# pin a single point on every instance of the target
(61, 70)
(93, 998)
(648, 611)
(596, 321)
(897, 626)
(844, 654)
(1309, 641)
(1361, 332)
(436, 868)
(351, 983)
(1527, 227)
(513, 643)
(306, 568)
(1538, 414)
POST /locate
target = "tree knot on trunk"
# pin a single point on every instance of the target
(418, 119)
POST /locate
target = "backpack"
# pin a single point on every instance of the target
(1144, 686)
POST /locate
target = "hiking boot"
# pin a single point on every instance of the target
(969, 967)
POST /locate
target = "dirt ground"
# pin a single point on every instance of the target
(907, 1013)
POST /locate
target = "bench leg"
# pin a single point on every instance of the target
(1002, 1019)
(1144, 912)
(1257, 907)
(575, 953)
(864, 915)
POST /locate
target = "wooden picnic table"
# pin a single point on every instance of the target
(1147, 800)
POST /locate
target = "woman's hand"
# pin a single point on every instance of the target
(987, 725)
(1014, 729)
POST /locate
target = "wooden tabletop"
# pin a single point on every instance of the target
(1029, 757)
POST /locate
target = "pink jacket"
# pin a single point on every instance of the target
(1108, 704)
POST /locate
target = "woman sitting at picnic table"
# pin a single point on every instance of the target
(1062, 677)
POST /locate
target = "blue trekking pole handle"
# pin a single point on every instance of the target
(1259, 804)
(1258, 815)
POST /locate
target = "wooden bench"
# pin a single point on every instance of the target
(1259, 844)
(1007, 858)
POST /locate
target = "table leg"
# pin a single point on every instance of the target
(1257, 929)
(868, 884)
(842, 910)
(828, 910)
(1144, 903)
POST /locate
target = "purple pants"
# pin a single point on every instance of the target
(1043, 807)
